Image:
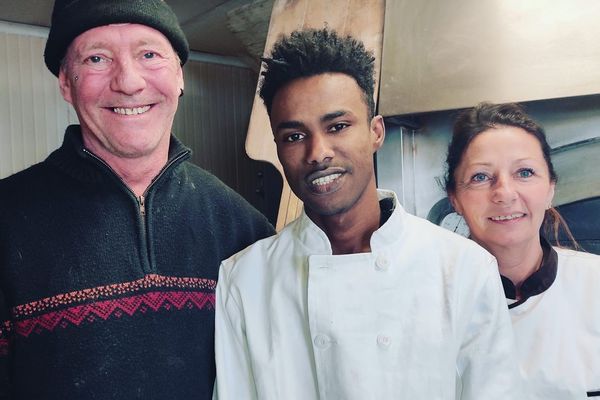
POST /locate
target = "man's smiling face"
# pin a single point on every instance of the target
(124, 82)
(325, 142)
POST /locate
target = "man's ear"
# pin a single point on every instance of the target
(65, 85)
(378, 131)
(180, 79)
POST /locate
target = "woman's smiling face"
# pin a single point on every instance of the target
(503, 187)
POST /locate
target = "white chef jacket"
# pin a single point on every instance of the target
(558, 331)
(422, 316)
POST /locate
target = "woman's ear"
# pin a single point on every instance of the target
(550, 195)
(455, 204)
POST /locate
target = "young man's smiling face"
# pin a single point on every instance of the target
(124, 82)
(326, 141)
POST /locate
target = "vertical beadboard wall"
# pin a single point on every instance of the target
(213, 115)
(33, 114)
(212, 118)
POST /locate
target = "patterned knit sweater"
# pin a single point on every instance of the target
(107, 296)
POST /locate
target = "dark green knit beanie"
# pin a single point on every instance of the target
(70, 18)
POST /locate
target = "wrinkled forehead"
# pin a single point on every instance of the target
(121, 34)
(115, 37)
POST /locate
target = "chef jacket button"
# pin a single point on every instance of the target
(322, 341)
(382, 263)
(384, 340)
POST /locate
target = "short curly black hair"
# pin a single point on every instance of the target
(308, 52)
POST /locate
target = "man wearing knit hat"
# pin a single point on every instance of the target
(109, 249)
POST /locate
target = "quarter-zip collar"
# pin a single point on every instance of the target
(93, 172)
(70, 155)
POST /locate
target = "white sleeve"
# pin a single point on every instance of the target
(487, 363)
(235, 380)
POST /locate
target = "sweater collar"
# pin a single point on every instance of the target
(73, 159)
(539, 281)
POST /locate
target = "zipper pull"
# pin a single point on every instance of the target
(142, 203)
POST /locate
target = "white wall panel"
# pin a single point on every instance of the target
(33, 115)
